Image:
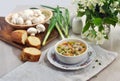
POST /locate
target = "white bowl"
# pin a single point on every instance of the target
(81, 58)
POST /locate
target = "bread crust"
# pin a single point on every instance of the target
(17, 36)
(29, 57)
(31, 44)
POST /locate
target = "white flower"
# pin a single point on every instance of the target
(99, 38)
(101, 10)
(96, 28)
(84, 35)
(101, 2)
(81, 10)
(100, 41)
(115, 4)
(90, 28)
(90, 3)
(89, 35)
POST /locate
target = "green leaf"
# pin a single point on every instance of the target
(86, 27)
(106, 37)
(116, 12)
(93, 32)
(80, 14)
(101, 28)
(88, 12)
(112, 21)
(97, 21)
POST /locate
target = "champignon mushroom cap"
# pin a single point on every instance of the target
(32, 31)
(40, 27)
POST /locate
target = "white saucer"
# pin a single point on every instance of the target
(52, 59)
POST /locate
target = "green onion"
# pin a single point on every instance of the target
(48, 7)
(60, 32)
(50, 28)
(54, 9)
(60, 20)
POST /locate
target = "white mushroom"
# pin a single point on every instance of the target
(34, 21)
(40, 28)
(28, 22)
(29, 12)
(37, 12)
(25, 16)
(19, 20)
(13, 20)
(15, 16)
(37, 20)
(32, 31)
(30, 18)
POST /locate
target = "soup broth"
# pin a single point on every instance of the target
(71, 48)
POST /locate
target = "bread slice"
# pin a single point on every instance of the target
(30, 54)
(33, 42)
(19, 36)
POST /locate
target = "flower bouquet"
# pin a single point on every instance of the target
(100, 14)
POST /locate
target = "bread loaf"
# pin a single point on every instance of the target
(33, 41)
(30, 54)
(19, 36)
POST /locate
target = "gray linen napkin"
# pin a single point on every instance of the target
(44, 71)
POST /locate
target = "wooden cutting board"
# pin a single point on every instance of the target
(6, 29)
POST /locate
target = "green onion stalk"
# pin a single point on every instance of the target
(59, 21)
(50, 28)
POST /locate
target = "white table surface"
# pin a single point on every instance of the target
(9, 55)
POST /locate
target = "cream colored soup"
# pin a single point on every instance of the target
(71, 48)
